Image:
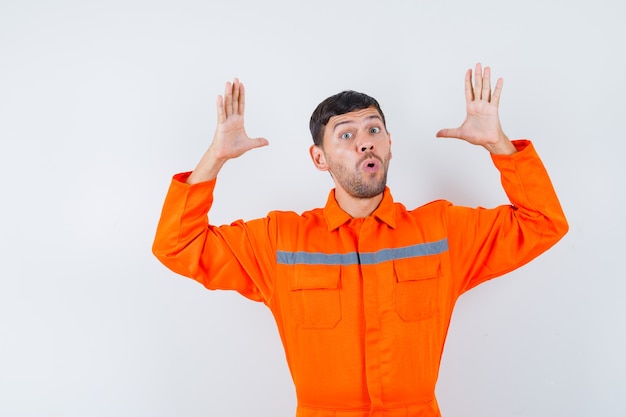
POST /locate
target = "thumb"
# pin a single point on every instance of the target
(449, 133)
(258, 142)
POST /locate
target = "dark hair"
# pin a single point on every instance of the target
(336, 105)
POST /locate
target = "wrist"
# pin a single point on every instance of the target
(208, 168)
(503, 146)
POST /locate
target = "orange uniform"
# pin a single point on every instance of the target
(363, 305)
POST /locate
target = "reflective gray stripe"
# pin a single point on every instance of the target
(367, 258)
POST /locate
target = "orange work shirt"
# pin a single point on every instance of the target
(363, 305)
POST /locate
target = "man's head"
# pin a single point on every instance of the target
(351, 142)
(341, 103)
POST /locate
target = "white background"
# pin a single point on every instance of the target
(101, 102)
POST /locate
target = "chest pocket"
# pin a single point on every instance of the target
(418, 287)
(315, 295)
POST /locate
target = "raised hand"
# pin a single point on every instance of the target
(230, 139)
(482, 123)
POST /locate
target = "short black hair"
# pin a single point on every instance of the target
(336, 105)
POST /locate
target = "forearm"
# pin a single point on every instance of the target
(525, 178)
(536, 207)
(183, 221)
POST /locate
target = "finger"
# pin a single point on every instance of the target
(478, 82)
(469, 91)
(228, 99)
(486, 93)
(497, 92)
(221, 115)
(242, 99)
(235, 96)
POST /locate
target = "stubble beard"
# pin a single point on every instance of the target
(359, 184)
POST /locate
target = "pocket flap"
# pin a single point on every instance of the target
(416, 269)
(309, 277)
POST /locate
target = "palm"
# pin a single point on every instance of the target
(482, 123)
(231, 139)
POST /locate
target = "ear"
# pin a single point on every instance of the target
(318, 157)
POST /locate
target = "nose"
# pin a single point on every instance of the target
(365, 144)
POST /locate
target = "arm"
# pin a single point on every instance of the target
(482, 123)
(486, 243)
(235, 257)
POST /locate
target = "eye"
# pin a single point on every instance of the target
(346, 135)
(375, 130)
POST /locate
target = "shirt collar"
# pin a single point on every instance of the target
(335, 216)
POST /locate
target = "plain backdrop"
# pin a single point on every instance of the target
(101, 102)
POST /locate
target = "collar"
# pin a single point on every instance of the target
(335, 216)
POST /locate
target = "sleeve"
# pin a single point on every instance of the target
(486, 243)
(239, 256)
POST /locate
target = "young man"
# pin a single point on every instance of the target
(363, 289)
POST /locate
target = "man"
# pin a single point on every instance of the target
(362, 290)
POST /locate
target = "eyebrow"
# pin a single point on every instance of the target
(374, 116)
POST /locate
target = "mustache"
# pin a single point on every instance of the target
(369, 155)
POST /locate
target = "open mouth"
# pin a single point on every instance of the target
(370, 165)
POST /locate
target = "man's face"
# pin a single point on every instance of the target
(356, 150)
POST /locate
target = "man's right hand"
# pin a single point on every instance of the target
(230, 139)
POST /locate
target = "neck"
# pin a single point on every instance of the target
(357, 207)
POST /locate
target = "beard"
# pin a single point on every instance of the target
(359, 184)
